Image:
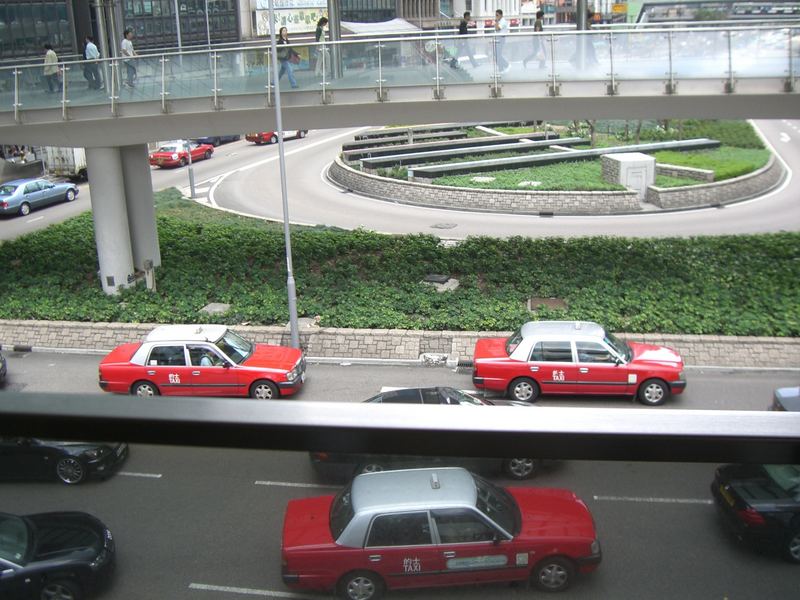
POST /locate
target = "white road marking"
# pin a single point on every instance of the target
(785, 137)
(146, 475)
(295, 485)
(646, 499)
(249, 591)
(34, 220)
(201, 190)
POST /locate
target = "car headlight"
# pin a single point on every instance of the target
(99, 560)
(95, 453)
(595, 547)
(292, 375)
(175, 156)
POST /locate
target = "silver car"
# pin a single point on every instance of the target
(21, 195)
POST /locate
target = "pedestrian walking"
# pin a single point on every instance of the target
(287, 57)
(319, 36)
(50, 70)
(464, 45)
(501, 30)
(128, 53)
(538, 48)
(91, 70)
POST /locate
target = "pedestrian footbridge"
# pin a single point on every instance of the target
(731, 72)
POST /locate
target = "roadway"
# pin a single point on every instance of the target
(204, 523)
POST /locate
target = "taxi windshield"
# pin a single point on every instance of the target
(619, 346)
(513, 342)
(458, 397)
(341, 512)
(497, 504)
(14, 536)
(235, 346)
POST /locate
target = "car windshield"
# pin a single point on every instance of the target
(513, 342)
(14, 539)
(619, 346)
(235, 346)
(7, 190)
(786, 476)
(497, 504)
(458, 397)
(341, 512)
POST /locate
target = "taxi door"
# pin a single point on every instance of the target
(210, 375)
(553, 366)
(599, 372)
(473, 551)
(166, 366)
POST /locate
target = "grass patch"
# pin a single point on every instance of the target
(726, 162)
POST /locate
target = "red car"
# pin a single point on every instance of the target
(271, 137)
(575, 357)
(435, 527)
(176, 154)
(202, 360)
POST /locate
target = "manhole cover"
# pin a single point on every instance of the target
(444, 226)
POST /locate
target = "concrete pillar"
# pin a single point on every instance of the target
(139, 203)
(110, 218)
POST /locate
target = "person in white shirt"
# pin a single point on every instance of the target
(129, 52)
(501, 30)
(51, 70)
(91, 70)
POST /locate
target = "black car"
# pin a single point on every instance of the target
(2, 368)
(342, 467)
(64, 555)
(71, 462)
(216, 140)
(761, 504)
(786, 399)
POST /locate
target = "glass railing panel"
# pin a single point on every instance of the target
(640, 55)
(760, 53)
(700, 54)
(33, 89)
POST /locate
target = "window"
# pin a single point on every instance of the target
(408, 529)
(592, 352)
(410, 396)
(167, 355)
(460, 526)
(552, 352)
(202, 356)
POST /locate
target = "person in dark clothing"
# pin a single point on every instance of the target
(286, 56)
(538, 48)
(464, 46)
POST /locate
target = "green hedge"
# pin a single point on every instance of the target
(735, 285)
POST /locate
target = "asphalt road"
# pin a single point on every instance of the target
(315, 200)
(201, 523)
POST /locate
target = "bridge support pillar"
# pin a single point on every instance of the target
(139, 202)
(110, 216)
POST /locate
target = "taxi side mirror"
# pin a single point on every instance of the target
(226, 364)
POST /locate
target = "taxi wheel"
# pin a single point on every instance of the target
(273, 139)
(553, 574)
(653, 392)
(302, 133)
(264, 390)
(521, 468)
(184, 162)
(61, 590)
(24, 209)
(524, 389)
(792, 548)
(361, 585)
(70, 470)
(207, 155)
(144, 389)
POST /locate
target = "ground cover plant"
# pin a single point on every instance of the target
(731, 285)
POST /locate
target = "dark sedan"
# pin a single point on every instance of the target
(761, 505)
(63, 555)
(3, 368)
(22, 195)
(341, 467)
(70, 462)
(216, 140)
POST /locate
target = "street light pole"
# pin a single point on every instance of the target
(208, 28)
(188, 146)
(178, 24)
(290, 285)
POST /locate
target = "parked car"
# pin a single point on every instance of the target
(202, 360)
(3, 368)
(69, 462)
(271, 137)
(22, 195)
(575, 357)
(435, 527)
(761, 505)
(176, 154)
(216, 140)
(786, 399)
(64, 555)
(343, 467)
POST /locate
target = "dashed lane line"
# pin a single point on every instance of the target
(249, 591)
(652, 500)
(145, 475)
(293, 484)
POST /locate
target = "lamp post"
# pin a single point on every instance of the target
(178, 23)
(290, 285)
(208, 28)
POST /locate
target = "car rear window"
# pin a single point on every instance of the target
(7, 190)
(513, 342)
(341, 512)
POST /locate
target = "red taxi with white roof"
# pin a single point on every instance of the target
(576, 358)
(202, 360)
(435, 527)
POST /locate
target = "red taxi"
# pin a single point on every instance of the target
(176, 154)
(271, 137)
(202, 360)
(576, 358)
(435, 527)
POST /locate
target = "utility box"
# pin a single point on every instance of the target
(634, 170)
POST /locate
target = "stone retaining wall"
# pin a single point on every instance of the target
(706, 175)
(398, 343)
(720, 192)
(507, 201)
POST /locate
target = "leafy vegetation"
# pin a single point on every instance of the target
(732, 285)
(725, 162)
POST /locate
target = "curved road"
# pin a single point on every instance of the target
(315, 200)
